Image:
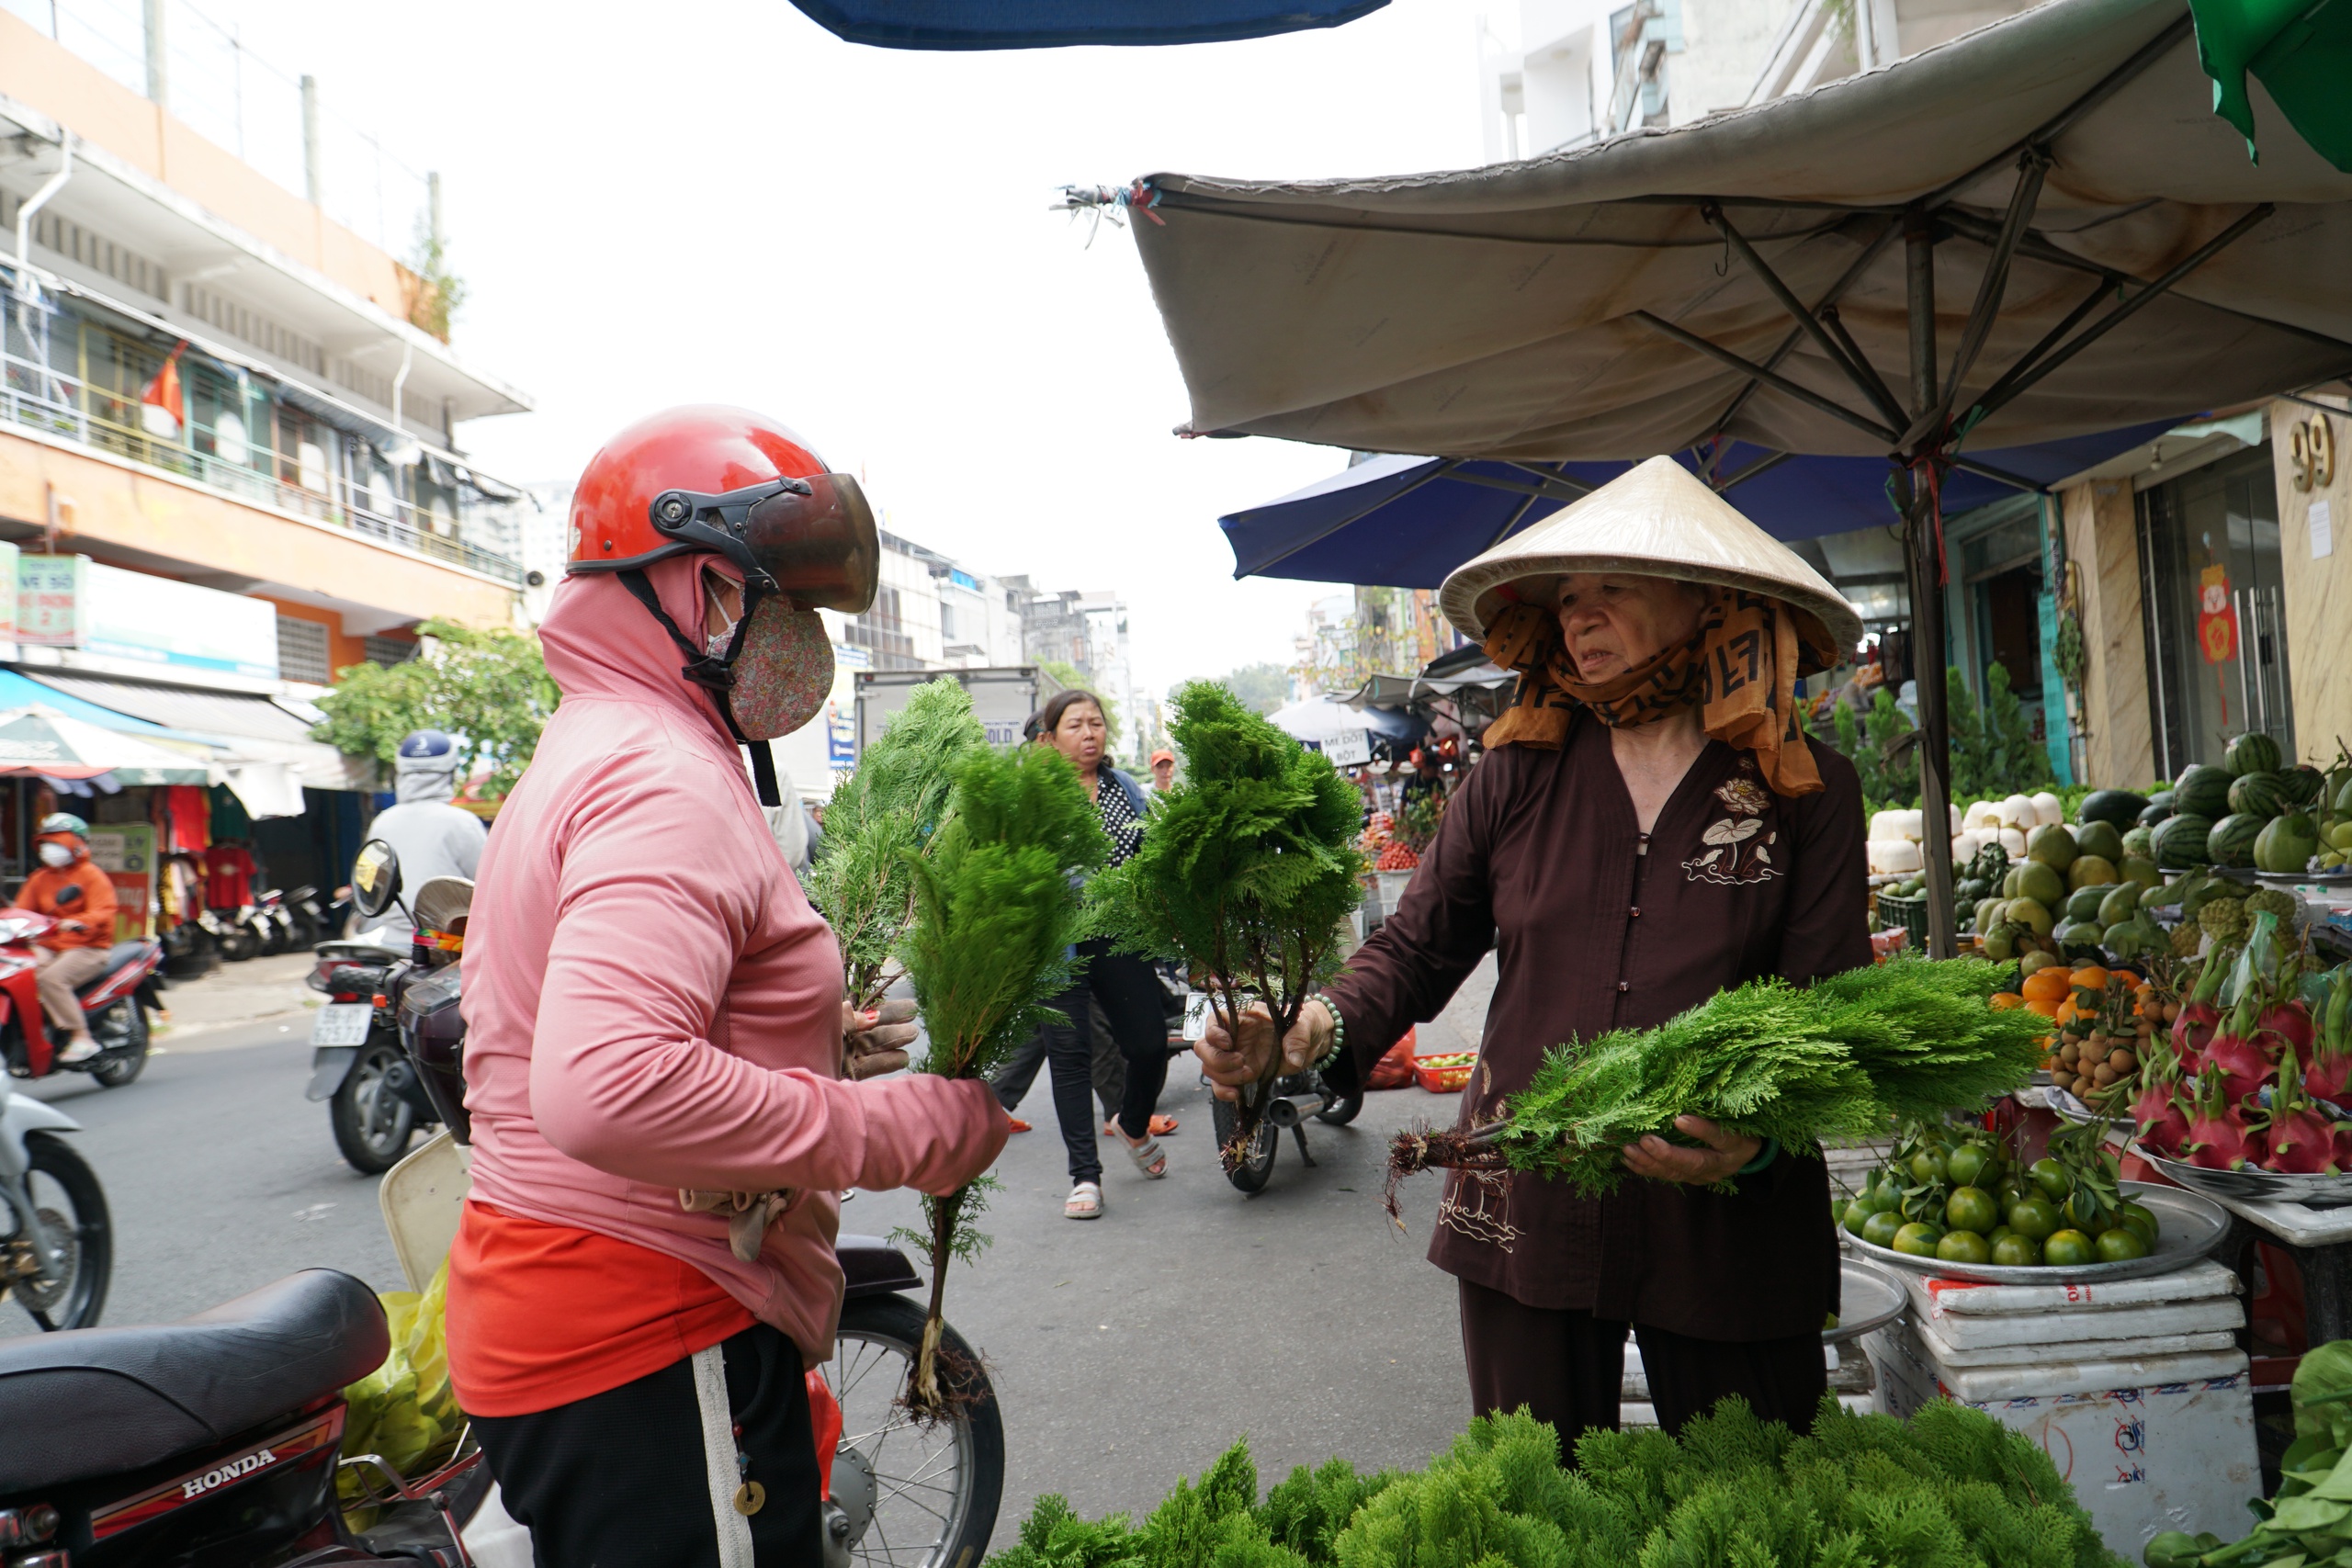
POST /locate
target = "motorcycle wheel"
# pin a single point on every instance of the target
(373, 1124)
(236, 944)
(66, 1192)
(935, 1486)
(1340, 1113)
(1258, 1166)
(121, 1032)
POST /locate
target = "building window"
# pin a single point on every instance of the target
(389, 650)
(303, 650)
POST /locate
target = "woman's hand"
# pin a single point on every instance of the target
(1723, 1157)
(876, 1043)
(1229, 1066)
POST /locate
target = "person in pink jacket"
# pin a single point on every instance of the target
(654, 1018)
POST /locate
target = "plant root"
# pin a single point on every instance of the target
(957, 1385)
(1425, 1147)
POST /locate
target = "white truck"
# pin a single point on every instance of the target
(1003, 698)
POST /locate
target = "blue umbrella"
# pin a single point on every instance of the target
(1053, 24)
(1405, 522)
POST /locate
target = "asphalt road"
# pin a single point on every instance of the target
(1126, 1352)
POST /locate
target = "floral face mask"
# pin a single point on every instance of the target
(785, 671)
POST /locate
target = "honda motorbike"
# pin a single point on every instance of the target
(57, 1251)
(116, 1002)
(919, 1492)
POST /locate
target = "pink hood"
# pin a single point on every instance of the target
(652, 1004)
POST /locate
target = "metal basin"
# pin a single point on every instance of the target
(2253, 1186)
(1871, 1298)
(2188, 1225)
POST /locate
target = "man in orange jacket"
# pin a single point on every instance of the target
(69, 887)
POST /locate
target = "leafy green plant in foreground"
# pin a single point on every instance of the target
(1951, 1488)
(996, 911)
(1910, 1038)
(1247, 870)
(883, 819)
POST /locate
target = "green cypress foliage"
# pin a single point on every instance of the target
(1247, 870)
(891, 807)
(996, 910)
(1909, 1038)
(1952, 1488)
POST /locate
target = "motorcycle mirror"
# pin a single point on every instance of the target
(375, 878)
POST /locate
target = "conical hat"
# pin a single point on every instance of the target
(1659, 521)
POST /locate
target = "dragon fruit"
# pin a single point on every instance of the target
(2163, 1123)
(2290, 1022)
(2193, 1030)
(2329, 1074)
(2243, 1066)
(2218, 1138)
(2301, 1141)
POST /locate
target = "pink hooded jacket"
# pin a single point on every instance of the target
(652, 1004)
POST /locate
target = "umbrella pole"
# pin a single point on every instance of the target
(1923, 535)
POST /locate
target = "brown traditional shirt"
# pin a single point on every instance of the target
(1597, 926)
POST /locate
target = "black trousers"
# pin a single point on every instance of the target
(1568, 1368)
(1017, 1072)
(619, 1480)
(1129, 993)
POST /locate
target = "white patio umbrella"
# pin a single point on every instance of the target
(41, 741)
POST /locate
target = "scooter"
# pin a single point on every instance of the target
(1297, 1097)
(308, 917)
(376, 1103)
(57, 1253)
(116, 1001)
(927, 1492)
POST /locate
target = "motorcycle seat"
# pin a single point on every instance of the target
(118, 956)
(94, 1402)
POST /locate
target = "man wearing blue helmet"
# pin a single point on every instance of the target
(432, 837)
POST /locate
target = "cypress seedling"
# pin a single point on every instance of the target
(997, 909)
(1247, 870)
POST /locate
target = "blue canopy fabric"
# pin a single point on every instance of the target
(1059, 24)
(1405, 522)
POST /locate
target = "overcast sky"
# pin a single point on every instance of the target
(716, 200)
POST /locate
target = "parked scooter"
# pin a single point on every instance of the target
(116, 1001)
(57, 1252)
(275, 920)
(930, 1490)
(1297, 1098)
(307, 916)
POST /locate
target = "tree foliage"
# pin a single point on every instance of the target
(1994, 753)
(1248, 867)
(1260, 688)
(488, 689)
(882, 819)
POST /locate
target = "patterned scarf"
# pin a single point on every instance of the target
(1740, 670)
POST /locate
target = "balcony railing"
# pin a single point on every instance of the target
(49, 399)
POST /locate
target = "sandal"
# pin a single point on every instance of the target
(1015, 1125)
(1084, 1202)
(1149, 1157)
(1161, 1126)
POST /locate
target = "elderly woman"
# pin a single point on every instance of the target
(1649, 826)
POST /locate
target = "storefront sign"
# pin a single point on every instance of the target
(126, 853)
(75, 602)
(1349, 748)
(841, 707)
(2217, 618)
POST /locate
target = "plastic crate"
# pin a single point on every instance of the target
(1904, 915)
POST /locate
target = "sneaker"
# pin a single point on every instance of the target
(78, 1051)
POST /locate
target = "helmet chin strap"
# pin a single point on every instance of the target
(715, 673)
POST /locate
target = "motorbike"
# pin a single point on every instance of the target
(57, 1253)
(376, 1102)
(116, 1001)
(275, 920)
(233, 937)
(1297, 1097)
(924, 1491)
(307, 917)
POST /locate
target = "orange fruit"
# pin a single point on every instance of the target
(2125, 978)
(2067, 1012)
(2049, 985)
(2003, 1001)
(2090, 978)
(2042, 1005)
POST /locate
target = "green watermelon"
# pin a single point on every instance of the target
(2303, 784)
(2119, 807)
(2257, 795)
(2136, 841)
(2252, 752)
(2155, 813)
(2202, 791)
(2181, 841)
(2285, 845)
(2231, 842)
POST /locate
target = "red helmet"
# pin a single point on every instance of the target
(729, 482)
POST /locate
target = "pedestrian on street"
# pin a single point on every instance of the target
(1072, 723)
(1649, 825)
(1163, 770)
(433, 836)
(657, 1019)
(70, 889)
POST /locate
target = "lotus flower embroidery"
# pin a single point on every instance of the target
(1737, 850)
(1743, 796)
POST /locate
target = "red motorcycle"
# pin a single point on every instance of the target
(116, 1002)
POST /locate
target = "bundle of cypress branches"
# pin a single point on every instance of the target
(997, 908)
(1247, 870)
(1950, 1488)
(1843, 1057)
(882, 818)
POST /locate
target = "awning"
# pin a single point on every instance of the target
(42, 741)
(1321, 720)
(1405, 522)
(249, 731)
(1590, 304)
(1052, 24)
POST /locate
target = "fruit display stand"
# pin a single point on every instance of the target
(2136, 1389)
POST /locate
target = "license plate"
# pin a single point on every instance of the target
(1197, 1016)
(341, 1023)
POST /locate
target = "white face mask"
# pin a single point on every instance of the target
(56, 855)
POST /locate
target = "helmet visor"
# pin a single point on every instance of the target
(821, 548)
